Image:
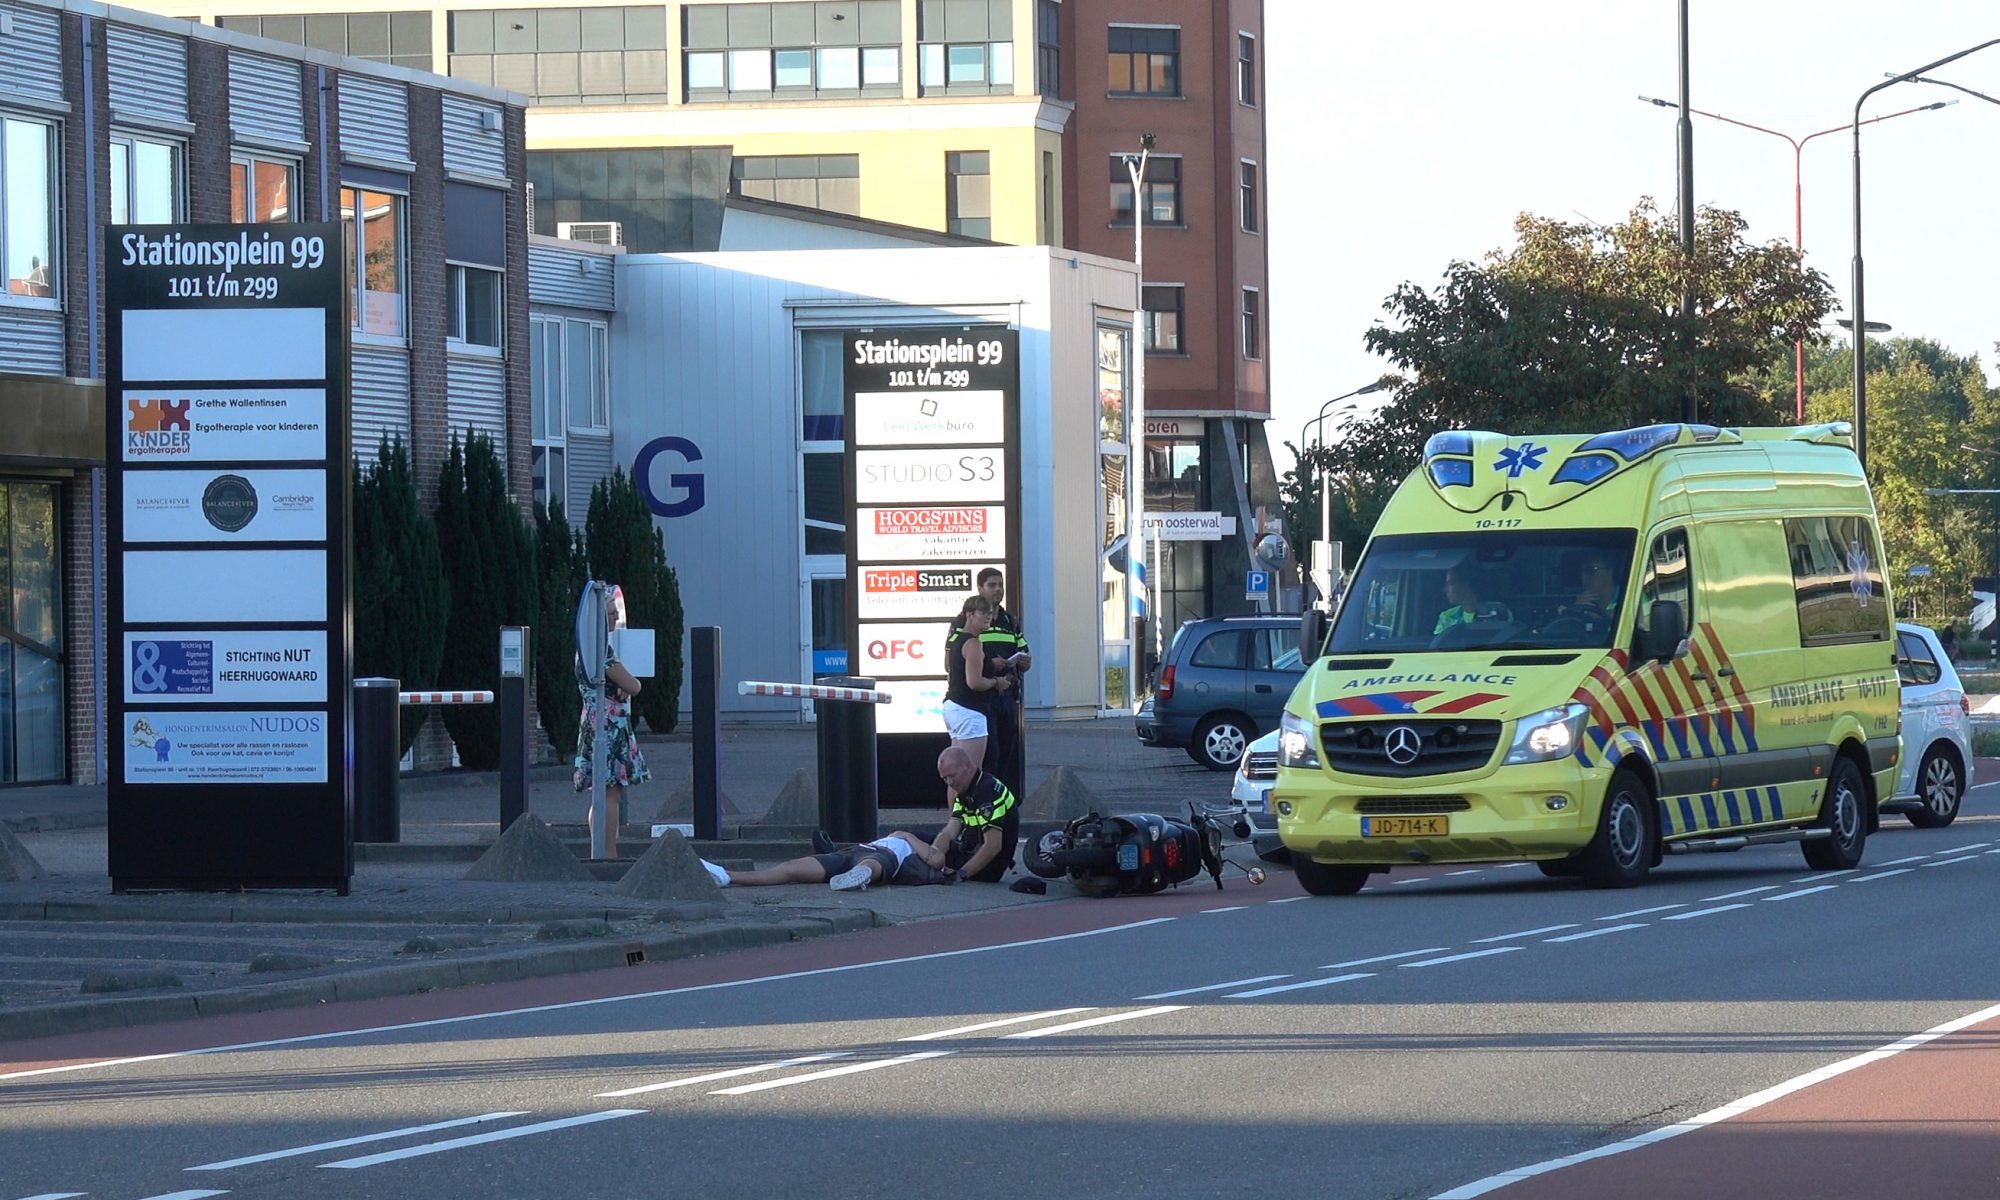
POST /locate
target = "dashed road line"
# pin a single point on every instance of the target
(55, 1196)
(712, 1076)
(1225, 908)
(1004, 1021)
(1640, 912)
(1881, 875)
(190, 1194)
(1945, 862)
(1598, 932)
(1769, 887)
(1288, 900)
(1823, 887)
(343, 1143)
(1212, 987)
(1897, 862)
(1293, 987)
(460, 1143)
(1704, 912)
(1508, 937)
(1092, 1022)
(1816, 876)
(1382, 958)
(1469, 871)
(1452, 958)
(1973, 846)
(832, 1072)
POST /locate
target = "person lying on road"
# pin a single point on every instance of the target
(855, 869)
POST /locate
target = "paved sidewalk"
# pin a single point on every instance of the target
(413, 922)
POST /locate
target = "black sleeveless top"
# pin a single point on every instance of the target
(957, 690)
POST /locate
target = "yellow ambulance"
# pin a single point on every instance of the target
(1591, 650)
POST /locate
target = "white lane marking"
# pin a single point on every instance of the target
(1897, 862)
(1508, 937)
(1704, 912)
(437, 1022)
(1452, 958)
(56, 1196)
(1382, 958)
(1769, 887)
(1823, 887)
(343, 1143)
(1095, 1021)
(1213, 987)
(1973, 846)
(1288, 900)
(1225, 908)
(1412, 879)
(1468, 872)
(1293, 987)
(1945, 862)
(1591, 933)
(1640, 912)
(712, 1076)
(1737, 1108)
(1510, 866)
(945, 1033)
(1816, 876)
(189, 1194)
(476, 1139)
(831, 1072)
(1993, 852)
(1881, 875)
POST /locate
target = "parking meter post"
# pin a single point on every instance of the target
(705, 674)
(515, 719)
(378, 815)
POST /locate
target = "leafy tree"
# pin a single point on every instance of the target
(490, 561)
(625, 548)
(563, 570)
(401, 598)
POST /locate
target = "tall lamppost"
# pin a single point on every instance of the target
(1136, 581)
(1319, 423)
(1798, 197)
(1859, 306)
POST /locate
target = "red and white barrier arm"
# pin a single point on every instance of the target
(445, 697)
(813, 691)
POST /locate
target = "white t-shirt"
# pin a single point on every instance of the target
(894, 845)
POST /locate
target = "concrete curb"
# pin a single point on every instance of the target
(54, 822)
(403, 979)
(197, 913)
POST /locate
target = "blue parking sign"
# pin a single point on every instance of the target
(1256, 585)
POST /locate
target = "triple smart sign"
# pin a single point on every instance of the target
(226, 526)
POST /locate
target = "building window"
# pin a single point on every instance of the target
(1164, 307)
(1836, 579)
(1048, 47)
(587, 375)
(549, 467)
(375, 262)
(965, 47)
(261, 189)
(1049, 233)
(792, 51)
(1246, 195)
(401, 39)
(28, 206)
(146, 187)
(969, 193)
(1163, 190)
(1253, 325)
(1145, 61)
(829, 182)
(472, 305)
(1246, 70)
(609, 55)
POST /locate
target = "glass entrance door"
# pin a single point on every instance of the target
(31, 669)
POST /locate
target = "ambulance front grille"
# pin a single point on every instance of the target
(1442, 747)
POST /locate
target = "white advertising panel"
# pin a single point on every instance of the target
(930, 532)
(915, 591)
(238, 424)
(1189, 526)
(917, 707)
(225, 585)
(225, 506)
(903, 648)
(955, 474)
(226, 666)
(227, 345)
(929, 418)
(224, 747)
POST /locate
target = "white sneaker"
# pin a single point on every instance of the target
(854, 879)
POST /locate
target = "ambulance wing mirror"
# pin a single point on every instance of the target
(1668, 631)
(1312, 635)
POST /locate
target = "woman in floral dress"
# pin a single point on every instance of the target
(624, 764)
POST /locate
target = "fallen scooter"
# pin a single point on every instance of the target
(1137, 854)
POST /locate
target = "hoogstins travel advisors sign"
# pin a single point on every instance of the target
(934, 489)
(227, 571)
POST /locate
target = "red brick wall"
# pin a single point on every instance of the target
(208, 148)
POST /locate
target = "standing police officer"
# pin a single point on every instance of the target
(1006, 650)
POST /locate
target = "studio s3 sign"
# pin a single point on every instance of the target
(691, 486)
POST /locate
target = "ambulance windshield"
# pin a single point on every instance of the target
(1499, 590)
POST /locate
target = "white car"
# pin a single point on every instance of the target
(1937, 732)
(1256, 771)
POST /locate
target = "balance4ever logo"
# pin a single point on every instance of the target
(158, 428)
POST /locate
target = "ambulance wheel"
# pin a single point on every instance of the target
(1622, 852)
(1941, 787)
(1842, 813)
(1324, 879)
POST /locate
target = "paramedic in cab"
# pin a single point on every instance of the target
(1464, 588)
(1600, 588)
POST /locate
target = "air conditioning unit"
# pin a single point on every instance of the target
(489, 120)
(604, 233)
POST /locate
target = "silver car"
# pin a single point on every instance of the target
(1937, 732)
(1256, 771)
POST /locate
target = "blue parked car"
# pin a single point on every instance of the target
(1222, 682)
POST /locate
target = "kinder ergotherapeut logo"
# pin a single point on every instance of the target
(158, 428)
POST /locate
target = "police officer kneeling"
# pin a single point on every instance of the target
(979, 839)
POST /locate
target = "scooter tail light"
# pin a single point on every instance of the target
(1165, 690)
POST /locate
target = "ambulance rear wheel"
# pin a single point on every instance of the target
(1622, 852)
(1324, 879)
(1841, 813)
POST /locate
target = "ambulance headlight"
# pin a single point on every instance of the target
(1295, 743)
(1547, 735)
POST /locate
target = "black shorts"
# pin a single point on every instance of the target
(833, 864)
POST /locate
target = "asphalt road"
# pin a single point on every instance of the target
(1423, 1039)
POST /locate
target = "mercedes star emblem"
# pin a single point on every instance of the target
(1403, 745)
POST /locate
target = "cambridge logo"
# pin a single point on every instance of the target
(158, 428)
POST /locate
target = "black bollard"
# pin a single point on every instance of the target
(847, 774)
(705, 676)
(378, 803)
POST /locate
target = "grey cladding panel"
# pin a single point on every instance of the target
(381, 391)
(559, 277)
(468, 147)
(148, 73)
(374, 118)
(31, 342)
(476, 398)
(266, 99)
(31, 56)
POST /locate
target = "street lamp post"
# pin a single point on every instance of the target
(1136, 579)
(1859, 306)
(1319, 423)
(1798, 146)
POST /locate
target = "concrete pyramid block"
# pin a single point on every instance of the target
(671, 870)
(16, 863)
(797, 803)
(679, 807)
(529, 852)
(1061, 797)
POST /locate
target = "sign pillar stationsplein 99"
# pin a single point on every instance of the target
(933, 485)
(227, 566)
